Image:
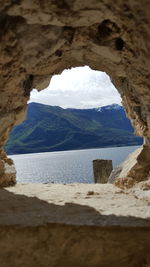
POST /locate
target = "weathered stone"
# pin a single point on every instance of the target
(2, 167)
(43, 225)
(102, 169)
(63, 225)
(7, 173)
(124, 183)
(136, 166)
(7, 170)
(41, 38)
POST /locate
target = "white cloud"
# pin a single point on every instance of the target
(78, 88)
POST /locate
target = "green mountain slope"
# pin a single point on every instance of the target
(49, 128)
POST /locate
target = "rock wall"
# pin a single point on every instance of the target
(41, 38)
(135, 168)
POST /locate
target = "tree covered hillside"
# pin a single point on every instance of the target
(51, 128)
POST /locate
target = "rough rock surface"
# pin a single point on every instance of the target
(137, 163)
(74, 225)
(7, 171)
(41, 38)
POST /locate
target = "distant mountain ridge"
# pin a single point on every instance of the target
(52, 128)
(113, 106)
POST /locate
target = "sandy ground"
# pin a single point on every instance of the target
(74, 204)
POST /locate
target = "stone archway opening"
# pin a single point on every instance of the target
(11, 173)
(81, 88)
(37, 45)
(40, 39)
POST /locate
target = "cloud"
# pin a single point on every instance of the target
(79, 87)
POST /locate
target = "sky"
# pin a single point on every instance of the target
(79, 87)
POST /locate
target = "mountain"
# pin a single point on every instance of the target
(52, 128)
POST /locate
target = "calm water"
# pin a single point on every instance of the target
(66, 166)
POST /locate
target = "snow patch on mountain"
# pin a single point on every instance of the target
(109, 107)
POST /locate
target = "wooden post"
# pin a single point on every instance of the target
(102, 169)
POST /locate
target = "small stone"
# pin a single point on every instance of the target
(89, 193)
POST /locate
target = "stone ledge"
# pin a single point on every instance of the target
(83, 225)
(73, 204)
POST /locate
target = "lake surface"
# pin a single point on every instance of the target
(73, 166)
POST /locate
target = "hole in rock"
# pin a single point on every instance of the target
(77, 119)
(119, 43)
(104, 30)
